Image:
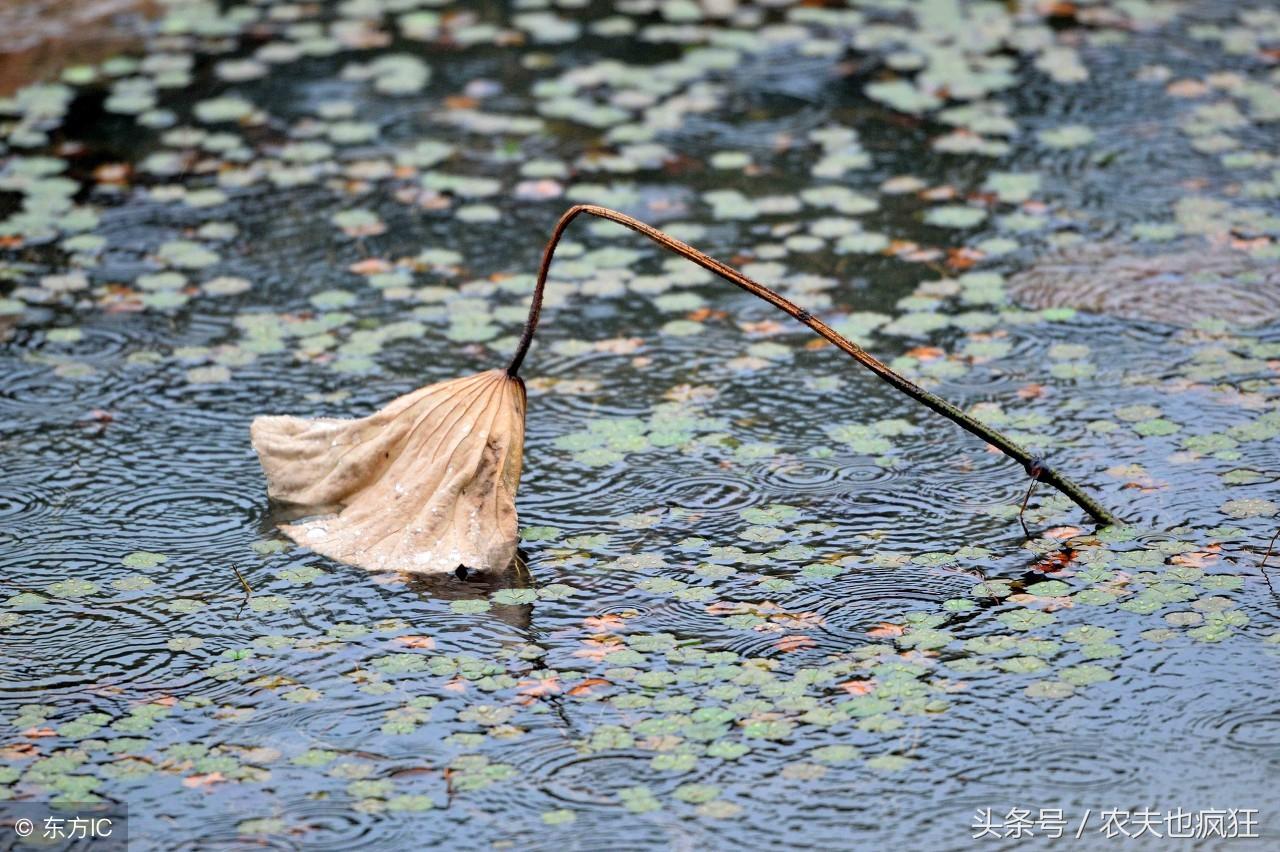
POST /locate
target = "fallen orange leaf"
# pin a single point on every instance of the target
(964, 257)
(761, 327)
(921, 255)
(206, 780)
(858, 687)
(1046, 603)
(370, 266)
(1186, 89)
(538, 688)
(584, 687)
(598, 650)
(115, 173)
(799, 620)
(541, 190)
(1055, 563)
(1058, 10)
(793, 643)
(925, 353)
(944, 192)
(18, 751)
(606, 623)
(1198, 558)
(620, 345)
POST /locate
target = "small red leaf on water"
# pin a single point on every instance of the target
(886, 630)
(370, 266)
(1057, 9)
(920, 255)
(963, 257)
(620, 345)
(762, 327)
(206, 780)
(112, 173)
(606, 623)
(537, 688)
(858, 687)
(424, 642)
(18, 751)
(1198, 558)
(585, 687)
(539, 190)
(939, 193)
(1055, 563)
(599, 649)
(793, 643)
(926, 353)
(727, 608)
(1048, 604)
(1250, 244)
(799, 620)
(1186, 89)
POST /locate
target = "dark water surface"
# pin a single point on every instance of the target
(768, 602)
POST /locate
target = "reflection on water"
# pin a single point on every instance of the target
(39, 38)
(760, 595)
(468, 585)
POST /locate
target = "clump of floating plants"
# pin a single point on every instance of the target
(428, 483)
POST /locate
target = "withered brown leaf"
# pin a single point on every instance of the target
(426, 484)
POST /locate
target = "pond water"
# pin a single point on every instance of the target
(767, 601)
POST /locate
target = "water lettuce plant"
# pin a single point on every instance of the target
(428, 483)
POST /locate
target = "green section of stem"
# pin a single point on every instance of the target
(1033, 466)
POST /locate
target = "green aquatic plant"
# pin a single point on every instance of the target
(428, 483)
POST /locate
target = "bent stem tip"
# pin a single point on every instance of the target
(1033, 465)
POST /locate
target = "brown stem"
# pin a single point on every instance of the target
(1033, 466)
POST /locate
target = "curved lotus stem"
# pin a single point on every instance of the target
(1033, 465)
